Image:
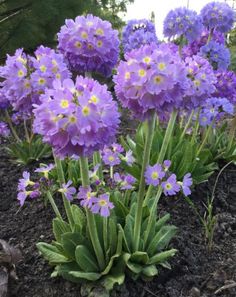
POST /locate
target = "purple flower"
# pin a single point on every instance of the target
(186, 184)
(110, 157)
(201, 80)
(23, 194)
(124, 181)
(67, 190)
(151, 79)
(183, 22)
(166, 165)
(154, 174)
(116, 147)
(128, 158)
(25, 181)
(219, 16)
(4, 130)
(226, 85)
(93, 175)
(85, 195)
(89, 44)
(217, 54)
(138, 33)
(77, 119)
(45, 169)
(102, 205)
(170, 186)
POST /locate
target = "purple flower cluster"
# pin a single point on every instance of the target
(226, 85)
(151, 79)
(77, 119)
(159, 175)
(125, 182)
(194, 47)
(214, 109)
(97, 204)
(113, 155)
(4, 130)
(217, 54)
(201, 80)
(183, 22)
(47, 66)
(138, 33)
(27, 188)
(89, 44)
(219, 16)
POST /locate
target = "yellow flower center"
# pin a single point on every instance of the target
(72, 119)
(78, 44)
(197, 83)
(147, 59)
(84, 35)
(155, 175)
(27, 84)
(127, 75)
(20, 73)
(168, 186)
(99, 43)
(58, 75)
(161, 66)
(158, 79)
(54, 62)
(90, 46)
(94, 99)
(41, 81)
(102, 202)
(111, 158)
(142, 72)
(99, 31)
(43, 68)
(64, 103)
(86, 111)
(89, 24)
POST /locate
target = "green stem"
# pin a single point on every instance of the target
(127, 197)
(209, 129)
(152, 215)
(186, 126)
(161, 156)
(13, 131)
(141, 192)
(54, 206)
(66, 203)
(92, 228)
(196, 127)
(97, 160)
(26, 132)
(105, 237)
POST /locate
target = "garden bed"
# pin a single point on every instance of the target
(195, 272)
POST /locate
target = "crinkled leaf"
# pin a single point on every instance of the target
(51, 253)
(70, 241)
(59, 228)
(162, 257)
(85, 259)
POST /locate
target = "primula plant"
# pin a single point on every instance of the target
(180, 95)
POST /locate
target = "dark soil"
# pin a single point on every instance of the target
(196, 272)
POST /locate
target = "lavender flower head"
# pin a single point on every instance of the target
(217, 54)
(183, 22)
(89, 44)
(48, 66)
(226, 85)
(151, 79)
(77, 119)
(170, 186)
(85, 195)
(4, 130)
(110, 157)
(201, 79)
(219, 16)
(154, 174)
(16, 85)
(102, 205)
(138, 33)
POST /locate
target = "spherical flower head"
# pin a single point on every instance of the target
(154, 174)
(201, 80)
(89, 44)
(217, 54)
(151, 79)
(77, 119)
(48, 65)
(67, 190)
(137, 33)
(102, 205)
(219, 16)
(171, 186)
(4, 130)
(183, 22)
(16, 85)
(85, 195)
(110, 158)
(226, 85)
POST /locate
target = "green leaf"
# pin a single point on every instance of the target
(59, 228)
(69, 242)
(85, 259)
(78, 217)
(162, 239)
(112, 235)
(139, 257)
(125, 242)
(162, 257)
(150, 271)
(90, 276)
(51, 253)
(134, 267)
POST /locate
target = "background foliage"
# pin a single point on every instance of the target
(29, 23)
